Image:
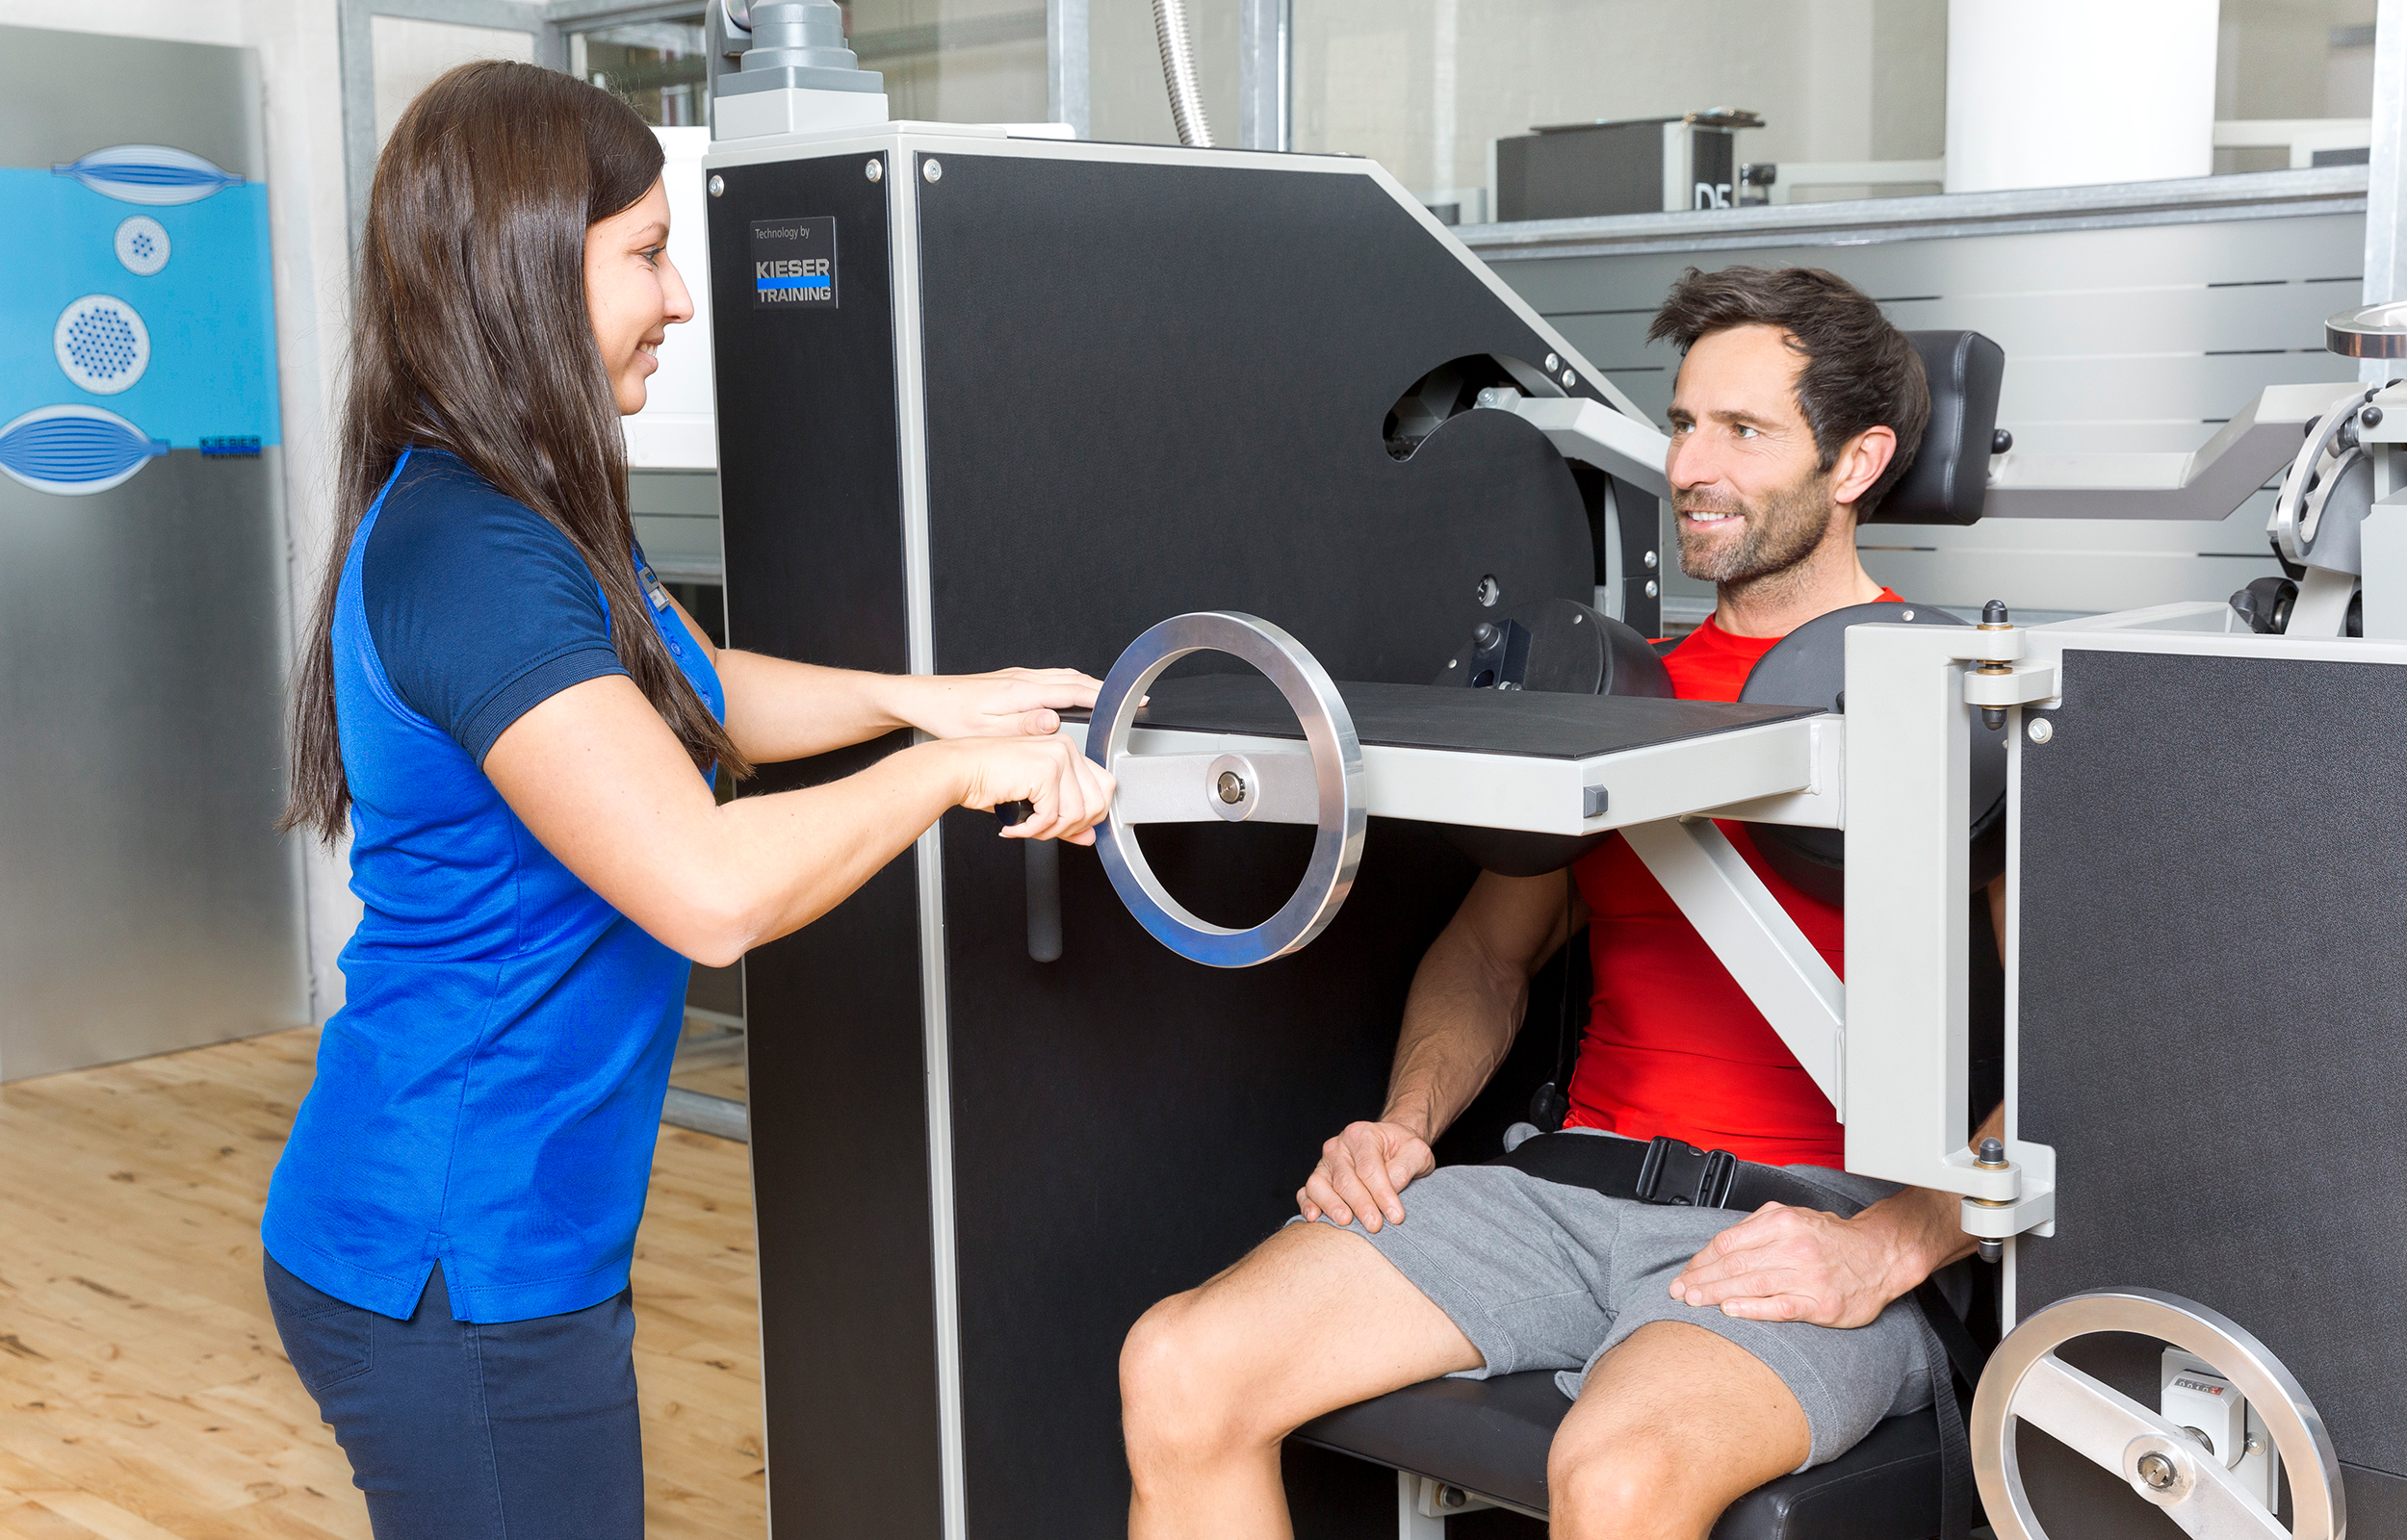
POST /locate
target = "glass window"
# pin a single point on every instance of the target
(1127, 103)
(1428, 88)
(955, 60)
(2294, 70)
(410, 53)
(1558, 109)
(655, 67)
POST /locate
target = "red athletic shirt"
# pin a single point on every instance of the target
(1674, 1045)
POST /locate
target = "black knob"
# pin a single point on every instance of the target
(1992, 1151)
(1484, 636)
(2371, 416)
(1993, 613)
(2000, 441)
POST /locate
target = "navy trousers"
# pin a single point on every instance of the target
(520, 1430)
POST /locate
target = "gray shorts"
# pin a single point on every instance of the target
(1541, 1275)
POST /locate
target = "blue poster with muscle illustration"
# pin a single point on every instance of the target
(139, 317)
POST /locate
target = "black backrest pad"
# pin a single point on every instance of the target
(1951, 471)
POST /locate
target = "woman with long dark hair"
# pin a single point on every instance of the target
(519, 727)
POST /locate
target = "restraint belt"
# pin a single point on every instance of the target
(1667, 1170)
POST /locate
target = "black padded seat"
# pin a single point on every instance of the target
(1489, 1437)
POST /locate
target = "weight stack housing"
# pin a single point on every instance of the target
(986, 402)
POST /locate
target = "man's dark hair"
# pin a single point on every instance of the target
(1860, 370)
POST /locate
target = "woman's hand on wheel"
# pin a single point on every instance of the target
(1068, 792)
(1008, 703)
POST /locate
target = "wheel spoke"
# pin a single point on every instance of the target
(2108, 1428)
(2085, 1415)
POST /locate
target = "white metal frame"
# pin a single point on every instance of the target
(2205, 483)
(1779, 772)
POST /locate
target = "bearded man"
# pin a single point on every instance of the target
(1776, 1342)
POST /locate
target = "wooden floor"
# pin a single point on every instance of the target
(142, 1392)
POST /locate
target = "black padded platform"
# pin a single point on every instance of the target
(1490, 1436)
(1425, 716)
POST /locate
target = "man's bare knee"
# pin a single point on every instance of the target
(1628, 1490)
(1185, 1373)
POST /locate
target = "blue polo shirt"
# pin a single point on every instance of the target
(489, 1095)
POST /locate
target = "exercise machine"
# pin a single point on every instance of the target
(1255, 436)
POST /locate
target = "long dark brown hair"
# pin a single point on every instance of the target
(470, 334)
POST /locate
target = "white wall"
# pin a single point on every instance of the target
(2044, 93)
(300, 63)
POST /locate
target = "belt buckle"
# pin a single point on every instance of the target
(1676, 1172)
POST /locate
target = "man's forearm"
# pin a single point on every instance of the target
(1459, 1021)
(1924, 1226)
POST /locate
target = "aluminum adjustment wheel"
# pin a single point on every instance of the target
(1271, 784)
(2026, 1382)
(2332, 471)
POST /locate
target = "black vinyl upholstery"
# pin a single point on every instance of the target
(1950, 477)
(1489, 1437)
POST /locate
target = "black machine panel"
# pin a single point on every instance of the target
(1154, 389)
(2213, 879)
(812, 526)
(1420, 716)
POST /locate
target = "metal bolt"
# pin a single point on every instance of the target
(1569, 379)
(876, 171)
(1650, 561)
(2371, 416)
(1484, 636)
(1231, 788)
(1553, 363)
(932, 169)
(1906, 615)
(1992, 1153)
(2158, 1471)
(2200, 1435)
(2042, 729)
(718, 185)
(1487, 592)
(1453, 1497)
(1991, 1250)
(1650, 588)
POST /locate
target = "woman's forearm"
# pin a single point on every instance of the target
(768, 865)
(779, 710)
(598, 778)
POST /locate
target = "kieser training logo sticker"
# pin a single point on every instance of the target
(794, 264)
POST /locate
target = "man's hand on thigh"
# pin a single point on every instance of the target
(1362, 1175)
(1793, 1263)
(1672, 1426)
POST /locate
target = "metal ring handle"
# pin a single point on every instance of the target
(1336, 770)
(2026, 1380)
(2296, 522)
